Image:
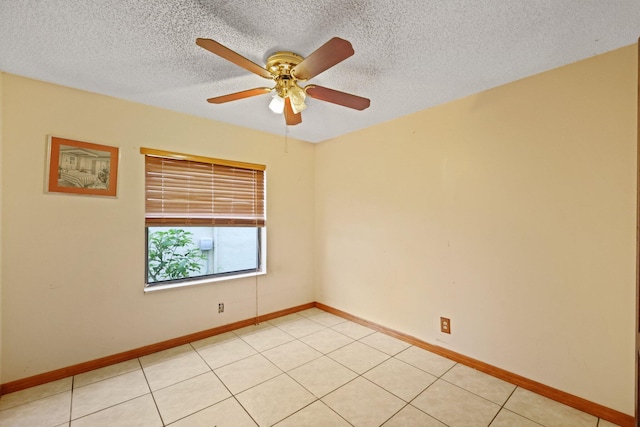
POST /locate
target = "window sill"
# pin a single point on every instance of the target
(154, 288)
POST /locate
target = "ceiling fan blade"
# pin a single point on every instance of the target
(239, 95)
(326, 56)
(337, 97)
(290, 117)
(226, 53)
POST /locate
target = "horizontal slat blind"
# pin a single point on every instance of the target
(185, 192)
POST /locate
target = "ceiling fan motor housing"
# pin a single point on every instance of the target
(282, 62)
(280, 65)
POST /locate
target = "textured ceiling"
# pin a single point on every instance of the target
(409, 55)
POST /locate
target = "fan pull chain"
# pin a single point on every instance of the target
(286, 139)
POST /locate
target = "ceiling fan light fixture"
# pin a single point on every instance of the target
(297, 108)
(277, 104)
(297, 96)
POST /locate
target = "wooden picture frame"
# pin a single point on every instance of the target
(83, 168)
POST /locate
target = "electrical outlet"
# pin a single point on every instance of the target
(221, 307)
(445, 325)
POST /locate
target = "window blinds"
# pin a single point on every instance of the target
(189, 190)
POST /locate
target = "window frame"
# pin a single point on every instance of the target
(212, 278)
(260, 225)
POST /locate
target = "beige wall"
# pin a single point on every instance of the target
(512, 212)
(73, 266)
(1, 134)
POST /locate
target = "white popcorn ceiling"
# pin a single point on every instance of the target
(409, 55)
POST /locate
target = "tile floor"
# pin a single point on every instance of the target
(306, 369)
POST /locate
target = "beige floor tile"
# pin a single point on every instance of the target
(214, 340)
(171, 366)
(275, 400)
(227, 413)
(315, 415)
(252, 329)
(353, 330)
(291, 355)
(426, 360)
(546, 411)
(106, 372)
(385, 343)
(103, 394)
(410, 416)
(491, 388)
(507, 418)
(247, 373)
(358, 357)
(400, 378)
(285, 319)
(327, 319)
(301, 328)
(226, 352)
(45, 412)
(165, 355)
(322, 355)
(326, 341)
(322, 376)
(269, 338)
(363, 403)
(190, 396)
(454, 406)
(139, 412)
(311, 312)
(34, 393)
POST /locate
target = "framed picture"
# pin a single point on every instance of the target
(78, 167)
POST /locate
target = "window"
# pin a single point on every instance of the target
(205, 218)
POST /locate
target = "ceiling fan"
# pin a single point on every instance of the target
(287, 69)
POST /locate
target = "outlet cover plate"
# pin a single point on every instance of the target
(445, 325)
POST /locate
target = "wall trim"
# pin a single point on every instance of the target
(576, 402)
(584, 405)
(80, 368)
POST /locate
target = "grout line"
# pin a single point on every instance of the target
(153, 396)
(495, 416)
(398, 411)
(35, 399)
(425, 389)
(73, 388)
(232, 395)
(113, 406)
(440, 377)
(502, 407)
